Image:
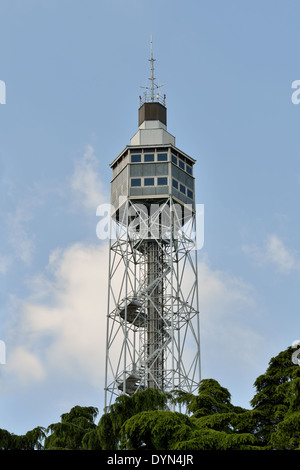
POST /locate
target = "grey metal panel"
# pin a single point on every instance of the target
(162, 190)
(189, 182)
(119, 187)
(149, 190)
(136, 191)
(175, 172)
(149, 169)
(179, 195)
(136, 170)
(161, 169)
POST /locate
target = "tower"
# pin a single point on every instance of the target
(153, 337)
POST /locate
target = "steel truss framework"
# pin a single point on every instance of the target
(153, 337)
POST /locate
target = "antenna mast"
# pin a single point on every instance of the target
(152, 73)
(154, 86)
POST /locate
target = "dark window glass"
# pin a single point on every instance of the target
(174, 159)
(190, 193)
(182, 188)
(136, 158)
(149, 181)
(149, 157)
(135, 181)
(181, 164)
(162, 181)
(162, 157)
(189, 169)
(175, 184)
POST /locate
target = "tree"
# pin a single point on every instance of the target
(277, 403)
(287, 434)
(144, 422)
(76, 431)
(218, 424)
(110, 424)
(155, 430)
(32, 440)
(211, 399)
(215, 424)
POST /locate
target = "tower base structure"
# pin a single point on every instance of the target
(153, 331)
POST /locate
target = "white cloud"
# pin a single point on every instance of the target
(25, 365)
(86, 183)
(228, 311)
(19, 238)
(275, 253)
(61, 326)
(278, 254)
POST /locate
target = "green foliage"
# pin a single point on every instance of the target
(209, 439)
(32, 440)
(211, 399)
(287, 434)
(215, 424)
(219, 425)
(76, 431)
(123, 409)
(90, 440)
(155, 430)
(211, 421)
(276, 400)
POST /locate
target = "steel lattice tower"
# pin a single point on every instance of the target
(153, 338)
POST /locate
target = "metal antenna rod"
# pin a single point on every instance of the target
(154, 86)
(152, 73)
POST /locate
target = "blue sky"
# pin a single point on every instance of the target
(73, 72)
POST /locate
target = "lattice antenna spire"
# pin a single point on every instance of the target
(154, 85)
(152, 73)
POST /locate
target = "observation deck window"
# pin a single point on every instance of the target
(162, 157)
(136, 158)
(182, 189)
(174, 159)
(162, 181)
(190, 194)
(136, 182)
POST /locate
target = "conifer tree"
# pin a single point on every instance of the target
(277, 403)
(75, 431)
